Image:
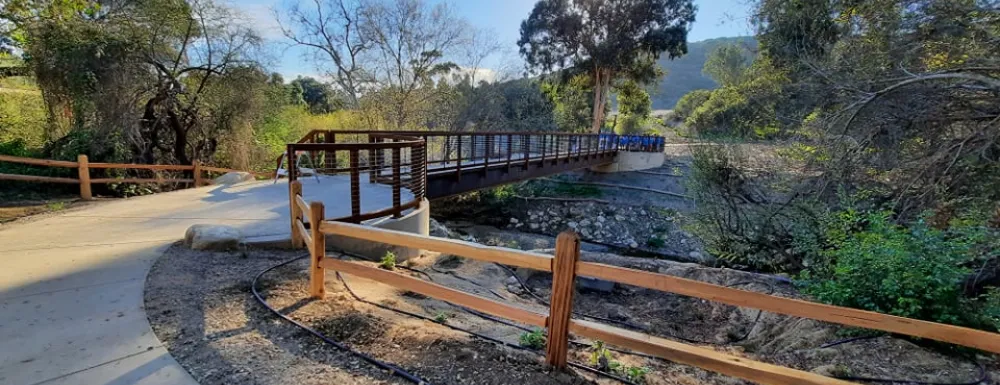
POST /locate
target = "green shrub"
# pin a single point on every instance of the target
(441, 317)
(656, 242)
(534, 339)
(689, 102)
(871, 263)
(388, 261)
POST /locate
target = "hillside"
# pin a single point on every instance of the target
(684, 74)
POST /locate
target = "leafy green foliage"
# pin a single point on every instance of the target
(634, 107)
(319, 97)
(534, 339)
(656, 242)
(441, 317)
(388, 261)
(747, 109)
(689, 102)
(573, 103)
(726, 64)
(22, 116)
(871, 263)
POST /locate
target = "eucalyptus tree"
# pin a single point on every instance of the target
(608, 39)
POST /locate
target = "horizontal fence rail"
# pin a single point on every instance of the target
(85, 181)
(566, 267)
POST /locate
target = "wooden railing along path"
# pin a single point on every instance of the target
(565, 266)
(83, 166)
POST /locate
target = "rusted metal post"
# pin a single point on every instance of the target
(330, 156)
(487, 151)
(290, 163)
(355, 188)
(396, 181)
(317, 274)
(458, 167)
(294, 190)
(526, 143)
(510, 149)
(372, 160)
(561, 307)
(83, 173)
(544, 140)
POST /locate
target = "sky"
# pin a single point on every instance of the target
(715, 18)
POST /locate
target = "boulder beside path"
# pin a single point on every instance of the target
(212, 237)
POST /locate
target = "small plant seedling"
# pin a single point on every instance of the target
(441, 317)
(534, 340)
(636, 374)
(677, 171)
(56, 206)
(601, 357)
(388, 261)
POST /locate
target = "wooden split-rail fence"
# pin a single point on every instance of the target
(310, 229)
(83, 166)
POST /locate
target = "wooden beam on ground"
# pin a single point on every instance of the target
(845, 316)
(755, 371)
(537, 261)
(431, 289)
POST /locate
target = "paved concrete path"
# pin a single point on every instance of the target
(71, 284)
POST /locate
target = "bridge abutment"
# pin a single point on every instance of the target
(632, 161)
(417, 221)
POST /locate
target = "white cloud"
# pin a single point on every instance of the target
(481, 74)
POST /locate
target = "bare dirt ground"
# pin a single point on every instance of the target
(22, 209)
(200, 305)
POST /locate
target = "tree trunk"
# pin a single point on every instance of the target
(602, 82)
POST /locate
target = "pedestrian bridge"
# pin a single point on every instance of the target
(416, 165)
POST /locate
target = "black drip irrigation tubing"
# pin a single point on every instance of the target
(475, 334)
(771, 289)
(397, 371)
(393, 369)
(746, 335)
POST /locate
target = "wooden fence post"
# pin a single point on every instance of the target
(563, 280)
(295, 189)
(196, 169)
(84, 174)
(317, 274)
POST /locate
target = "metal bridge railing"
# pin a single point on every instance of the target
(395, 160)
(403, 159)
